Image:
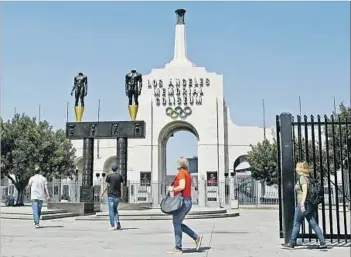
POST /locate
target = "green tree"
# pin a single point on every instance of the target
(338, 135)
(263, 162)
(26, 144)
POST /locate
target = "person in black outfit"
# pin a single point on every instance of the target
(115, 194)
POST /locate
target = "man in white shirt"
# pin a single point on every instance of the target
(38, 186)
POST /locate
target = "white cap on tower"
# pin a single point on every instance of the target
(180, 58)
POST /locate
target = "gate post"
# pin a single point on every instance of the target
(287, 176)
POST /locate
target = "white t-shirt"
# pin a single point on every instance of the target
(37, 187)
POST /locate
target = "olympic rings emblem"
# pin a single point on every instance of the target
(178, 112)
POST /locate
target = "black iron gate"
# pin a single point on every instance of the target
(325, 143)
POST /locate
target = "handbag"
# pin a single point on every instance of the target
(171, 205)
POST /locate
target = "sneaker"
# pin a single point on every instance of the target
(37, 226)
(289, 245)
(174, 251)
(198, 242)
(322, 245)
(119, 226)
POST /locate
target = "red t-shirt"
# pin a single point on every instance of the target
(184, 174)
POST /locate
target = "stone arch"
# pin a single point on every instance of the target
(78, 162)
(165, 134)
(238, 161)
(108, 164)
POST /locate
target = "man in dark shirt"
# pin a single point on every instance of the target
(114, 193)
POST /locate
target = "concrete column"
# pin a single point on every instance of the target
(202, 192)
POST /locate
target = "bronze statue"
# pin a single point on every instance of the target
(81, 88)
(133, 86)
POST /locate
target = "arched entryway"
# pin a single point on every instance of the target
(108, 164)
(168, 131)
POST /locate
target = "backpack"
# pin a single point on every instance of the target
(315, 192)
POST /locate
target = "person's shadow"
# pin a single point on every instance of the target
(54, 226)
(193, 250)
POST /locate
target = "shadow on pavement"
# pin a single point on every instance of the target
(193, 250)
(129, 228)
(55, 226)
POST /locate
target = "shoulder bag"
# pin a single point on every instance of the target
(171, 205)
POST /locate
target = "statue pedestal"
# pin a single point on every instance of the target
(133, 110)
(79, 110)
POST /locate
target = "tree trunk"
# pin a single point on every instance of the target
(263, 189)
(20, 196)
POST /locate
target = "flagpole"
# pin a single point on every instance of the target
(98, 141)
(67, 105)
(39, 113)
(264, 119)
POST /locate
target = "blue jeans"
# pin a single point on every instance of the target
(179, 227)
(299, 218)
(36, 207)
(113, 202)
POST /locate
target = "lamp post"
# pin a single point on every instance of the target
(76, 184)
(97, 175)
(103, 175)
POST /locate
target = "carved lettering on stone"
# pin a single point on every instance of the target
(157, 92)
(185, 99)
(207, 82)
(179, 100)
(163, 92)
(190, 82)
(184, 92)
(154, 82)
(170, 83)
(171, 100)
(184, 82)
(164, 101)
(201, 82)
(178, 91)
(149, 84)
(198, 100)
(201, 93)
(157, 101)
(191, 100)
(160, 83)
(195, 92)
(170, 91)
(177, 82)
(196, 83)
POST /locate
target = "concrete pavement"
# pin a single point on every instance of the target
(254, 233)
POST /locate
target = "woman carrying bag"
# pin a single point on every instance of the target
(182, 185)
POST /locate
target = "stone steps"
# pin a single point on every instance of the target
(156, 214)
(46, 214)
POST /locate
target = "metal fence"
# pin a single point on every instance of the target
(325, 143)
(249, 191)
(245, 190)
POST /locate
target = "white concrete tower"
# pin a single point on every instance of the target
(180, 58)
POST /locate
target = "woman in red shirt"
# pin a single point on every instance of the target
(182, 184)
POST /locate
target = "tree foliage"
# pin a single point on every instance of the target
(26, 144)
(263, 162)
(338, 133)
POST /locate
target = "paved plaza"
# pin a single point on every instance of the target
(254, 233)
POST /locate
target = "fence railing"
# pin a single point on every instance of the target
(246, 191)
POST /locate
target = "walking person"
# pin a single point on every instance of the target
(115, 194)
(38, 188)
(182, 184)
(304, 208)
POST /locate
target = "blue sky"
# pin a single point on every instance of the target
(265, 50)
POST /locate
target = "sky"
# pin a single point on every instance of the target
(276, 51)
